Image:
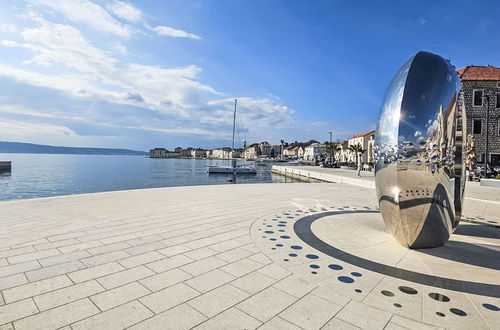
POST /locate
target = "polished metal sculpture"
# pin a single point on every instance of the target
(419, 152)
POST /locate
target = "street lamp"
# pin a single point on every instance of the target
(331, 147)
(282, 143)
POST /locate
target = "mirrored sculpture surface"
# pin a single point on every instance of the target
(419, 170)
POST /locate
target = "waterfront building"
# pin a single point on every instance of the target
(481, 89)
(157, 153)
(264, 149)
(222, 153)
(313, 151)
(198, 153)
(252, 151)
(367, 141)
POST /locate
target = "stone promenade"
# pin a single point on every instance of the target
(220, 257)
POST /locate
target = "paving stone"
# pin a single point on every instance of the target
(35, 288)
(32, 256)
(234, 255)
(140, 249)
(58, 317)
(336, 324)
(218, 300)
(174, 250)
(260, 258)
(141, 259)
(56, 244)
(104, 258)
(198, 254)
(108, 248)
(68, 294)
(202, 266)
(8, 326)
(310, 312)
(129, 275)
(399, 322)
(17, 310)
(170, 320)
(165, 279)
(119, 295)
(275, 271)
(169, 297)
(296, 285)
(16, 252)
(79, 246)
(278, 323)
(241, 267)
(266, 304)
(253, 282)
(119, 317)
(3, 262)
(232, 319)
(211, 280)
(63, 258)
(12, 281)
(95, 272)
(169, 263)
(373, 318)
(51, 271)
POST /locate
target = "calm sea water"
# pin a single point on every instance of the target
(40, 175)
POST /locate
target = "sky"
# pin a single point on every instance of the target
(143, 74)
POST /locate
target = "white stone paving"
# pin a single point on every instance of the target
(193, 257)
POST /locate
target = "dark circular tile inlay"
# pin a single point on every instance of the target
(491, 307)
(285, 259)
(335, 267)
(358, 290)
(281, 225)
(356, 274)
(314, 273)
(387, 293)
(407, 290)
(269, 232)
(272, 239)
(458, 312)
(440, 314)
(397, 305)
(345, 279)
(314, 266)
(439, 297)
(296, 247)
(279, 245)
(311, 256)
(285, 237)
(292, 254)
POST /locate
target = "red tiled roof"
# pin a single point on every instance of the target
(363, 134)
(472, 72)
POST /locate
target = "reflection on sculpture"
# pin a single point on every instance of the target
(419, 152)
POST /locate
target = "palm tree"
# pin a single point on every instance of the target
(332, 148)
(357, 149)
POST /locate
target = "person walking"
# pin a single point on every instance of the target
(360, 164)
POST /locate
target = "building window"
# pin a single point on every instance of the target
(498, 84)
(477, 99)
(497, 103)
(477, 126)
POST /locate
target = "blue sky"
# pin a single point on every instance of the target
(140, 74)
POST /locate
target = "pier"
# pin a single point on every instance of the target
(267, 256)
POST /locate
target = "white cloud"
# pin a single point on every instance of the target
(89, 13)
(125, 11)
(146, 98)
(8, 28)
(171, 32)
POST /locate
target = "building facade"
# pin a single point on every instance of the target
(314, 151)
(367, 141)
(481, 89)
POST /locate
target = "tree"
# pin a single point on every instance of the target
(357, 149)
(332, 148)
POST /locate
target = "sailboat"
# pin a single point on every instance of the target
(233, 169)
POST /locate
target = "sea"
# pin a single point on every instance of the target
(45, 175)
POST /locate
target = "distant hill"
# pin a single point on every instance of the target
(30, 148)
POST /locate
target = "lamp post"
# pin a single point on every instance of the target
(331, 158)
(282, 143)
(487, 98)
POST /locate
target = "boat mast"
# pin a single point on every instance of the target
(234, 123)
